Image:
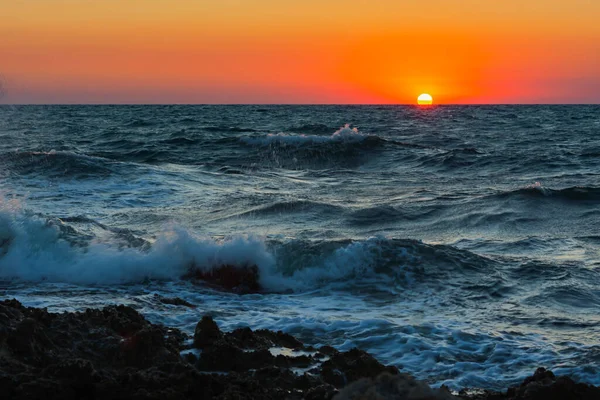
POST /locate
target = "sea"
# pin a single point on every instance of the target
(458, 243)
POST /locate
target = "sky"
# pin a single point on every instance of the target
(308, 51)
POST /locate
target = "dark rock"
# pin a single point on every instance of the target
(114, 353)
(328, 350)
(281, 339)
(206, 333)
(75, 369)
(302, 361)
(239, 279)
(175, 301)
(190, 357)
(347, 367)
(541, 376)
(223, 356)
(321, 392)
(544, 385)
(333, 376)
(478, 394)
(145, 348)
(387, 386)
(29, 340)
(245, 338)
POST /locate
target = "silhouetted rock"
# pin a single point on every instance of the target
(343, 368)
(114, 353)
(328, 350)
(206, 333)
(387, 386)
(543, 385)
(239, 279)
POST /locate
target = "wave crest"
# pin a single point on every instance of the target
(574, 193)
(345, 134)
(36, 249)
(57, 163)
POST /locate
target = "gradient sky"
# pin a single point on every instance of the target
(308, 51)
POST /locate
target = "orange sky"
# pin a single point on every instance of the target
(310, 51)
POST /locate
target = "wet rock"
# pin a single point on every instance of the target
(206, 333)
(387, 386)
(301, 361)
(321, 392)
(328, 350)
(281, 339)
(75, 369)
(174, 301)
(239, 279)
(224, 357)
(347, 367)
(114, 353)
(544, 385)
(29, 341)
(246, 338)
(333, 376)
(145, 348)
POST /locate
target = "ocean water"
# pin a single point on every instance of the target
(459, 243)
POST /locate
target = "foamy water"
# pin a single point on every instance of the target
(459, 243)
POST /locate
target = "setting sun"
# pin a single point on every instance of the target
(425, 100)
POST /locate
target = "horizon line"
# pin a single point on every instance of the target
(301, 104)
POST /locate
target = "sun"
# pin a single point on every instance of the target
(425, 100)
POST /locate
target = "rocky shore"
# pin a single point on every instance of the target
(114, 353)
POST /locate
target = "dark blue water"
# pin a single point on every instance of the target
(460, 243)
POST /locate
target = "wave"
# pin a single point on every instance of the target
(57, 163)
(226, 129)
(344, 135)
(378, 262)
(33, 248)
(454, 158)
(151, 155)
(345, 148)
(180, 140)
(574, 193)
(290, 207)
(379, 215)
(139, 123)
(312, 128)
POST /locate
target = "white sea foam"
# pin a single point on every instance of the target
(345, 134)
(414, 329)
(32, 249)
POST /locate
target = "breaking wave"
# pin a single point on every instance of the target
(345, 135)
(33, 248)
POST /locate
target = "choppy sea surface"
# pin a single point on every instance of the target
(459, 243)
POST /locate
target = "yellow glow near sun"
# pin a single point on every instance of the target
(425, 100)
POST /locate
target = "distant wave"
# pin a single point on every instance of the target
(344, 135)
(312, 128)
(146, 155)
(140, 123)
(378, 215)
(453, 158)
(230, 129)
(56, 163)
(290, 207)
(575, 193)
(180, 140)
